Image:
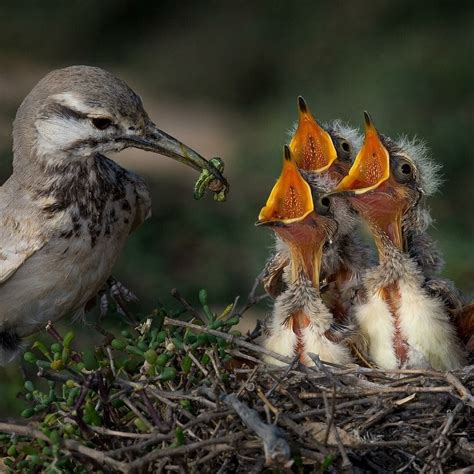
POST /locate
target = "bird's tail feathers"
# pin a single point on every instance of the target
(10, 346)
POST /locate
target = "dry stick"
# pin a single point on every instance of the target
(195, 314)
(22, 430)
(70, 445)
(98, 456)
(285, 374)
(345, 460)
(466, 396)
(330, 419)
(447, 425)
(153, 412)
(120, 434)
(277, 451)
(376, 417)
(318, 363)
(179, 451)
(238, 354)
(156, 438)
(228, 337)
(322, 411)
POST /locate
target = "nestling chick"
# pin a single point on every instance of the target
(67, 210)
(301, 322)
(403, 324)
(320, 152)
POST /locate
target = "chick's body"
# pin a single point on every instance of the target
(323, 156)
(300, 322)
(402, 323)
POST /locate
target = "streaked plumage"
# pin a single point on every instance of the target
(67, 210)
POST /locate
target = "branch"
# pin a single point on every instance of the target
(277, 451)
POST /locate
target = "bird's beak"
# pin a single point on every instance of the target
(290, 199)
(371, 166)
(371, 190)
(311, 145)
(155, 140)
(290, 211)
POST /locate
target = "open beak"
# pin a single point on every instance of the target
(371, 190)
(311, 145)
(371, 166)
(290, 211)
(290, 199)
(157, 141)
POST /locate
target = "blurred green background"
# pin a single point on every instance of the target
(223, 77)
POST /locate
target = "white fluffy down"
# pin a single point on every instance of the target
(425, 323)
(428, 170)
(376, 326)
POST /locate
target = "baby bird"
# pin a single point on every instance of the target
(301, 322)
(67, 210)
(402, 323)
(328, 153)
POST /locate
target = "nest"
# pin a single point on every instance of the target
(214, 406)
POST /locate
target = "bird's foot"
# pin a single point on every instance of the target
(119, 294)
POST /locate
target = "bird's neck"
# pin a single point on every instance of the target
(47, 176)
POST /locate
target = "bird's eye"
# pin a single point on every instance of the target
(345, 146)
(403, 170)
(101, 123)
(323, 205)
(343, 149)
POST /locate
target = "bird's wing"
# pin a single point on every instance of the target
(21, 232)
(15, 249)
(143, 202)
(272, 274)
(446, 290)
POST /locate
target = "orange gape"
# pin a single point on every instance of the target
(290, 198)
(291, 206)
(311, 145)
(371, 166)
(391, 294)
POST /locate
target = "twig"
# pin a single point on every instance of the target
(466, 396)
(181, 450)
(345, 460)
(195, 314)
(229, 338)
(277, 451)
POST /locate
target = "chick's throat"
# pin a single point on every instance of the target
(305, 243)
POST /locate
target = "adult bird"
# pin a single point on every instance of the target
(67, 210)
(324, 153)
(301, 323)
(402, 322)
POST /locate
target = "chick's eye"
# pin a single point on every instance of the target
(404, 171)
(324, 203)
(101, 123)
(345, 146)
(405, 168)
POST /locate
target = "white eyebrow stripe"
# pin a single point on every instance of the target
(75, 102)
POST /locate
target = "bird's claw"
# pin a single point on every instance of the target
(207, 180)
(119, 294)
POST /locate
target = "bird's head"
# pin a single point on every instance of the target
(301, 217)
(80, 111)
(317, 149)
(383, 184)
